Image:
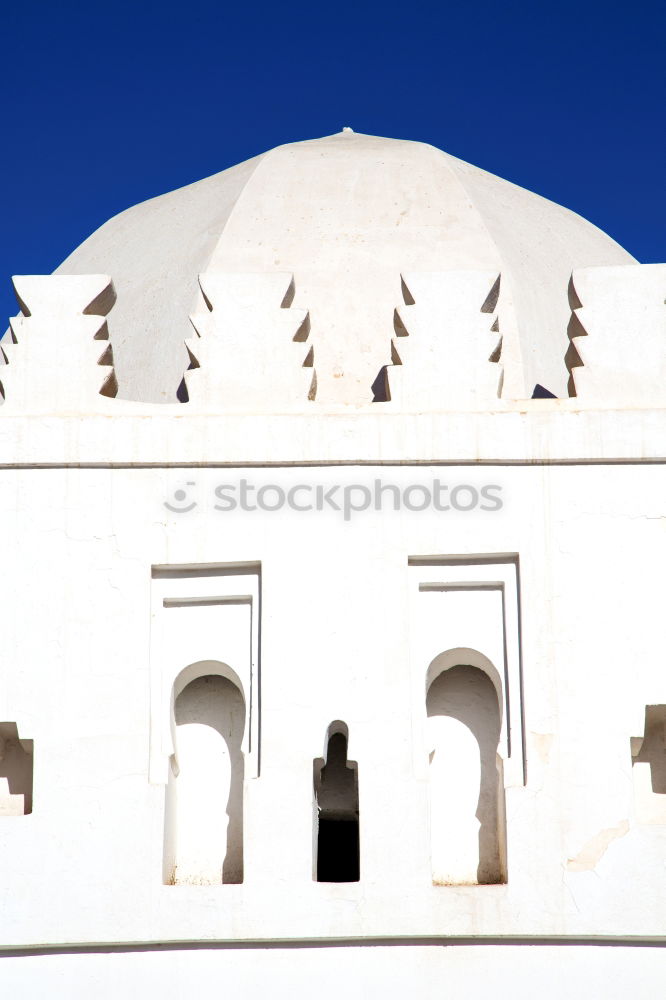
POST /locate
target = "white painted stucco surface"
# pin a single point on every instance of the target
(77, 683)
(346, 214)
(506, 971)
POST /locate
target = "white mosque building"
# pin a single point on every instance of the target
(333, 595)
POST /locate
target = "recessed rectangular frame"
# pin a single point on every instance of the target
(224, 598)
(481, 573)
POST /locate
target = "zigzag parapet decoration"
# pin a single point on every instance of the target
(447, 345)
(617, 333)
(53, 349)
(248, 352)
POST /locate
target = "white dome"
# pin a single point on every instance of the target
(346, 215)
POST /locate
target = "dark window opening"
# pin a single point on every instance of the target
(336, 794)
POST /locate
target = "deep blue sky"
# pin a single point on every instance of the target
(105, 105)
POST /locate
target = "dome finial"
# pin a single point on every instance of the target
(347, 128)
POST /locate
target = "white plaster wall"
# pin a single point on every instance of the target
(506, 972)
(86, 866)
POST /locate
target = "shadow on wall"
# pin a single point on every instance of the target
(466, 790)
(204, 812)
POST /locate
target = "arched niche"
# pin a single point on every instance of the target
(203, 841)
(464, 726)
(201, 668)
(473, 658)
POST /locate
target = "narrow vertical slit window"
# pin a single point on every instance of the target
(336, 811)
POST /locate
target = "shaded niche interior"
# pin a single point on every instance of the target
(336, 814)
(653, 747)
(466, 786)
(204, 809)
(16, 771)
